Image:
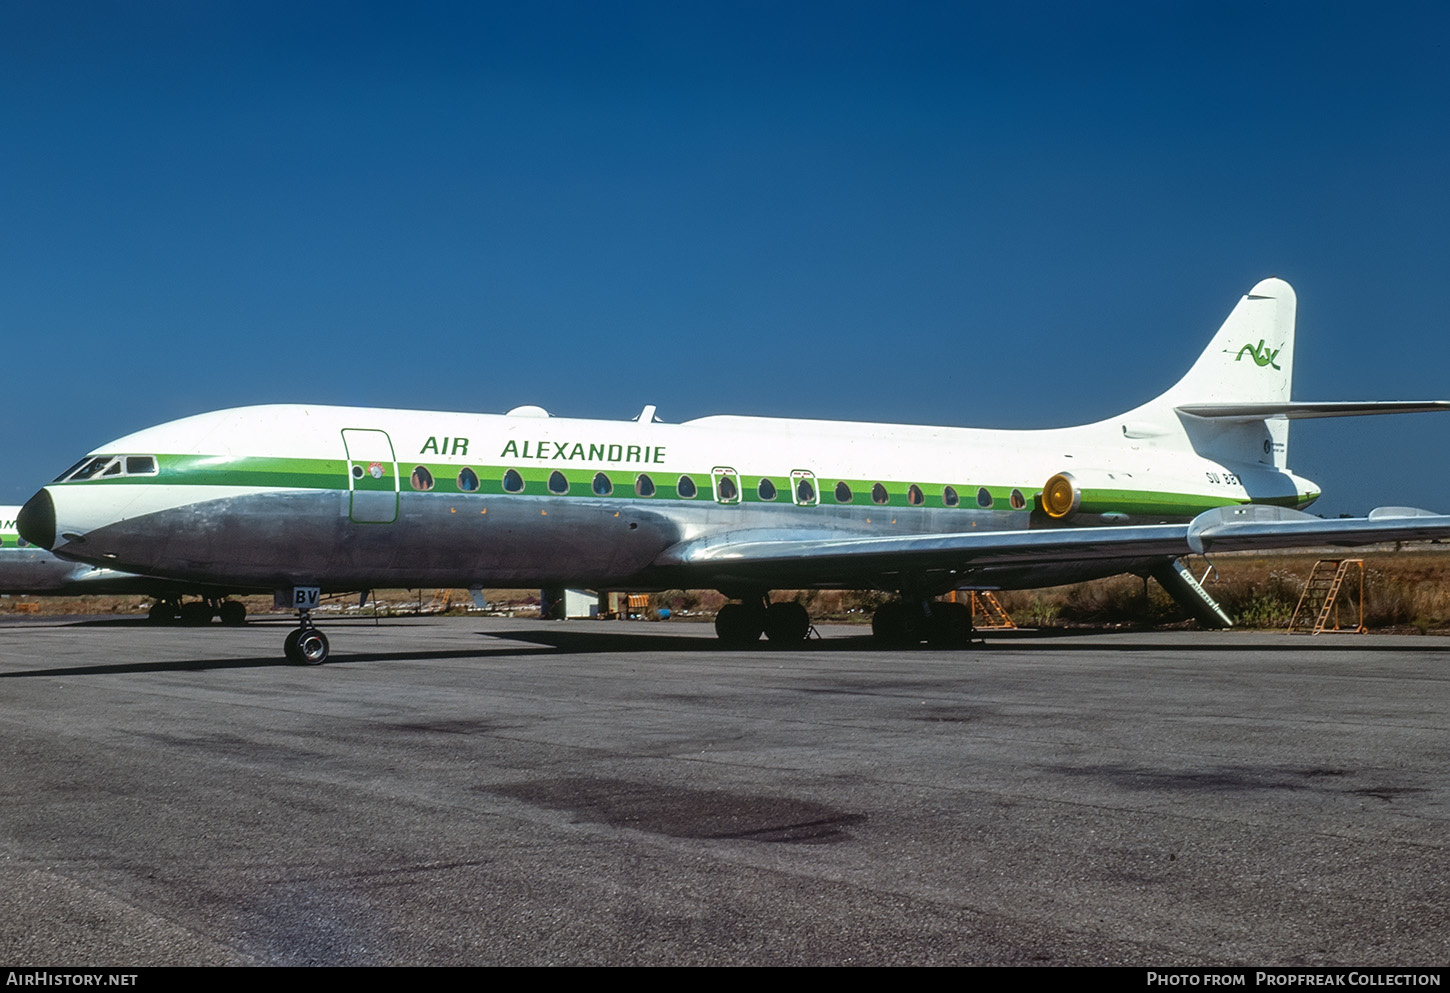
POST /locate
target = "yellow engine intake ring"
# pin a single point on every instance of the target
(1059, 496)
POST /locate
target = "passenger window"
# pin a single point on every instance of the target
(686, 488)
(421, 479)
(805, 492)
(914, 496)
(843, 493)
(765, 490)
(602, 485)
(879, 494)
(513, 482)
(949, 496)
(1018, 500)
(467, 480)
(984, 499)
(558, 485)
(644, 486)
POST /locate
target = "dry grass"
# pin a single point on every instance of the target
(1404, 591)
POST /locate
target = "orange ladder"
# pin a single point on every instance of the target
(1320, 600)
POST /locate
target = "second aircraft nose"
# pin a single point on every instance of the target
(36, 520)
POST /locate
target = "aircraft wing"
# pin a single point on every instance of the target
(825, 556)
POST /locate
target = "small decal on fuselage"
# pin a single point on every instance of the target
(564, 451)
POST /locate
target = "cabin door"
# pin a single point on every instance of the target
(372, 476)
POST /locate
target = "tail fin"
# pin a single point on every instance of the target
(1249, 360)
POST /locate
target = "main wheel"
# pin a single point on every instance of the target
(787, 623)
(888, 624)
(739, 624)
(951, 625)
(196, 613)
(232, 612)
(899, 624)
(162, 612)
(306, 646)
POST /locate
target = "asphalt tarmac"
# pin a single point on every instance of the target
(480, 791)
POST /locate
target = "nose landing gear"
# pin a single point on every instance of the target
(306, 645)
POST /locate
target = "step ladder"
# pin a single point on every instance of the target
(1319, 603)
(988, 613)
(442, 600)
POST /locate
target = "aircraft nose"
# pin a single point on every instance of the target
(36, 520)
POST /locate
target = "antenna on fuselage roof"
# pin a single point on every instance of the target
(647, 416)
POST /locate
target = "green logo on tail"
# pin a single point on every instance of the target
(1261, 355)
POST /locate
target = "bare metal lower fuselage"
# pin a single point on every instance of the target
(517, 541)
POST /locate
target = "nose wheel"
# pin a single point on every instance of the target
(306, 645)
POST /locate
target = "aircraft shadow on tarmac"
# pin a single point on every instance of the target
(600, 639)
(270, 661)
(556, 640)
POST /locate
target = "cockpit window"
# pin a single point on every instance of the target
(91, 468)
(71, 469)
(109, 465)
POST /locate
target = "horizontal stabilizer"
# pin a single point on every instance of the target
(1298, 410)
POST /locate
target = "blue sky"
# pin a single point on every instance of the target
(1020, 215)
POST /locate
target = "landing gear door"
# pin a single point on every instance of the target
(372, 476)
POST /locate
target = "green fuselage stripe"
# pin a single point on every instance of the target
(331, 474)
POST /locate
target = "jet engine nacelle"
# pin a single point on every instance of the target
(1061, 496)
(1082, 491)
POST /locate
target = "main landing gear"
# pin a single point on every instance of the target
(171, 610)
(306, 645)
(741, 624)
(907, 623)
(902, 623)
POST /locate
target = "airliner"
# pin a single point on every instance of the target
(306, 499)
(31, 571)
